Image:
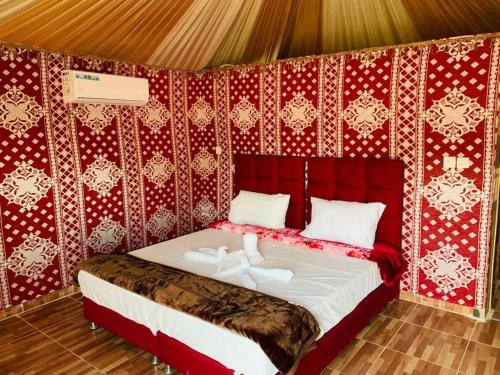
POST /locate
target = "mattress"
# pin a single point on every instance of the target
(330, 286)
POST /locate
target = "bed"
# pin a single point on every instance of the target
(342, 293)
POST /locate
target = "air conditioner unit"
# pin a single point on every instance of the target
(85, 87)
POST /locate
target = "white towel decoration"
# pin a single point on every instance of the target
(251, 249)
(240, 261)
(220, 253)
(201, 256)
(237, 262)
(280, 274)
(248, 282)
(207, 254)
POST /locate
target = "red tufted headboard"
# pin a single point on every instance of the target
(361, 180)
(274, 174)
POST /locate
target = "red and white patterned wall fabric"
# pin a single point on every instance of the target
(81, 180)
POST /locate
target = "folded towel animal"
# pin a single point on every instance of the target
(220, 253)
(201, 257)
(237, 262)
(207, 254)
(247, 281)
(251, 249)
(270, 273)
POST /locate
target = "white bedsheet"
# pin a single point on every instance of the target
(329, 286)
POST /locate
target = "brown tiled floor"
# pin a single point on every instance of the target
(405, 338)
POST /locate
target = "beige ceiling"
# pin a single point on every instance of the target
(193, 34)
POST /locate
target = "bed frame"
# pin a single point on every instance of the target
(362, 180)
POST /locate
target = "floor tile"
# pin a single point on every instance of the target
(101, 348)
(140, 364)
(24, 353)
(381, 329)
(356, 358)
(73, 333)
(399, 309)
(53, 312)
(391, 362)
(481, 359)
(13, 329)
(442, 320)
(105, 351)
(487, 333)
(433, 346)
(65, 363)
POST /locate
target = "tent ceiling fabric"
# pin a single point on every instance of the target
(194, 34)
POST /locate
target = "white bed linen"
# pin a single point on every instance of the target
(329, 286)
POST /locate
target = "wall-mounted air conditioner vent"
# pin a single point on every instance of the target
(85, 87)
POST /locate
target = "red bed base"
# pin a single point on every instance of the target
(191, 362)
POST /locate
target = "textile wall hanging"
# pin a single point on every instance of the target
(81, 180)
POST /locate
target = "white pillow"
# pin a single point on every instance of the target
(352, 223)
(264, 210)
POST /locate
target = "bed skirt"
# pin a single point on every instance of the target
(191, 362)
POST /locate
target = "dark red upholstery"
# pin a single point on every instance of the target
(187, 360)
(274, 174)
(361, 180)
(128, 330)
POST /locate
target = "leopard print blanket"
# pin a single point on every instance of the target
(283, 330)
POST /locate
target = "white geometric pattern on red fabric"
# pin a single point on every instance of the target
(182, 151)
(447, 268)
(18, 111)
(298, 113)
(205, 211)
(135, 184)
(62, 268)
(129, 144)
(406, 147)
(154, 115)
(367, 58)
(204, 163)
(328, 144)
(299, 65)
(201, 114)
(419, 169)
(106, 236)
(25, 185)
(64, 148)
(4, 283)
(490, 131)
(268, 107)
(300, 92)
(455, 115)
(459, 50)
(92, 64)
(102, 175)
(224, 175)
(95, 116)
(123, 191)
(366, 114)
(32, 257)
(244, 115)
(158, 169)
(161, 222)
(340, 108)
(452, 194)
